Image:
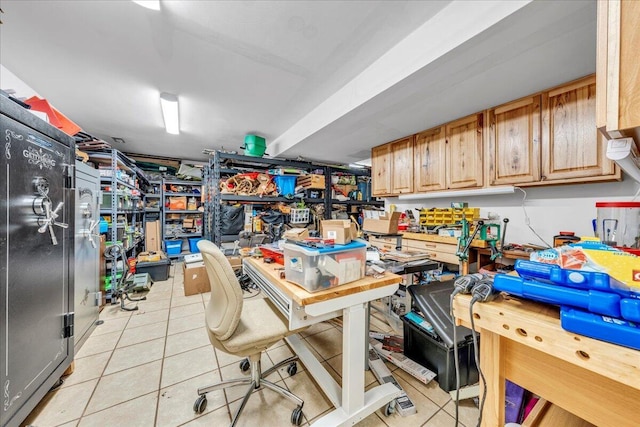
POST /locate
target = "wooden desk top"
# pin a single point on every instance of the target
(440, 239)
(303, 297)
(537, 325)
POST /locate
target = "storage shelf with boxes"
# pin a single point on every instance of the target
(182, 216)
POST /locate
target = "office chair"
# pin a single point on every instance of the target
(242, 328)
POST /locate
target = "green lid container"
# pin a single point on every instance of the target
(254, 145)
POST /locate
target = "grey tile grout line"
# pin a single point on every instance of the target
(164, 350)
(103, 371)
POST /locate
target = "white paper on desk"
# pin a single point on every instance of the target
(373, 256)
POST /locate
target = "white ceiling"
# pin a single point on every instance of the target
(325, 80)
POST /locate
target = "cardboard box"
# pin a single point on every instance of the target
(196, 280)
(152, 242)
(342, 231)
(188, 223)
(384, 224)
(296, 234)
(235, 261)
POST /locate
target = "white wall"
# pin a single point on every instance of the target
(8, 81)
(550, 209)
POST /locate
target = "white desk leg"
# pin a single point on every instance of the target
(356, 404)
(354, 320)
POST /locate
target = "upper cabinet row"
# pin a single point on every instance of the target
(618, 68)
(548, 138)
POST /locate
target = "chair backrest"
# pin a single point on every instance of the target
(225, 305)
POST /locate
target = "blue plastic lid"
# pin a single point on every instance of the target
(354, 244)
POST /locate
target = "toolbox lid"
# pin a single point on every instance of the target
(433, 301)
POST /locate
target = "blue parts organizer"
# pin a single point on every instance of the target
(592, 303)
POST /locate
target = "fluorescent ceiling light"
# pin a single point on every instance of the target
(458, 193)
(169, 105)
(149, 4)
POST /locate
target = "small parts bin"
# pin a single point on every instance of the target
(193, 245)
(173, 247)
(316, 269)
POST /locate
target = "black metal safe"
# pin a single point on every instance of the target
(36, 253)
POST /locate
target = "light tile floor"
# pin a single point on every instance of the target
(142, 368)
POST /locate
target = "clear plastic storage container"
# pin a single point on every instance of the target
(618, 224)
(318, 269)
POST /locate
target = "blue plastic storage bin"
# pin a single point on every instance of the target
(193, 244)
(173, 247)
(286, 184)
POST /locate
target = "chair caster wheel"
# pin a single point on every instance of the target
(245, 365)
(296, 416)
(292, 368)
(389, 409)
(200, 404)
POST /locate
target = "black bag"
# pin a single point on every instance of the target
(231, 219)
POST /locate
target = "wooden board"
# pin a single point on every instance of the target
(546, 414)
(441, 239)
(303, 297)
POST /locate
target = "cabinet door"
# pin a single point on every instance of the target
(381, 170)
(618, 66)
(430, 160)
(464, 152)
(514, 142)
(402, 166)
(571, 145)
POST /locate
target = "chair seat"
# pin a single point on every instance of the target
(261, 325)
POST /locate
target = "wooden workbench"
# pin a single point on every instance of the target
(304, 297)
(523, 341)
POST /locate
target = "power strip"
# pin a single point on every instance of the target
(404, 405)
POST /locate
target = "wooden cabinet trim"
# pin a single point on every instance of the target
(628, 67)
(613, 64)
(576, 84)
(601, 64)
(514, 105)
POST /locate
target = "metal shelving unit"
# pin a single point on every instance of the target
(228, 164)
(115, 160)
(184, 213)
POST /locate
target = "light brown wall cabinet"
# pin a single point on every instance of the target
(392, 168)
(402, 166)
(513, 133)
(618, 68)
(450, 156)
(465, 162)
(381, 170)
(543, 139)
(572, 148)
(429, 166)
